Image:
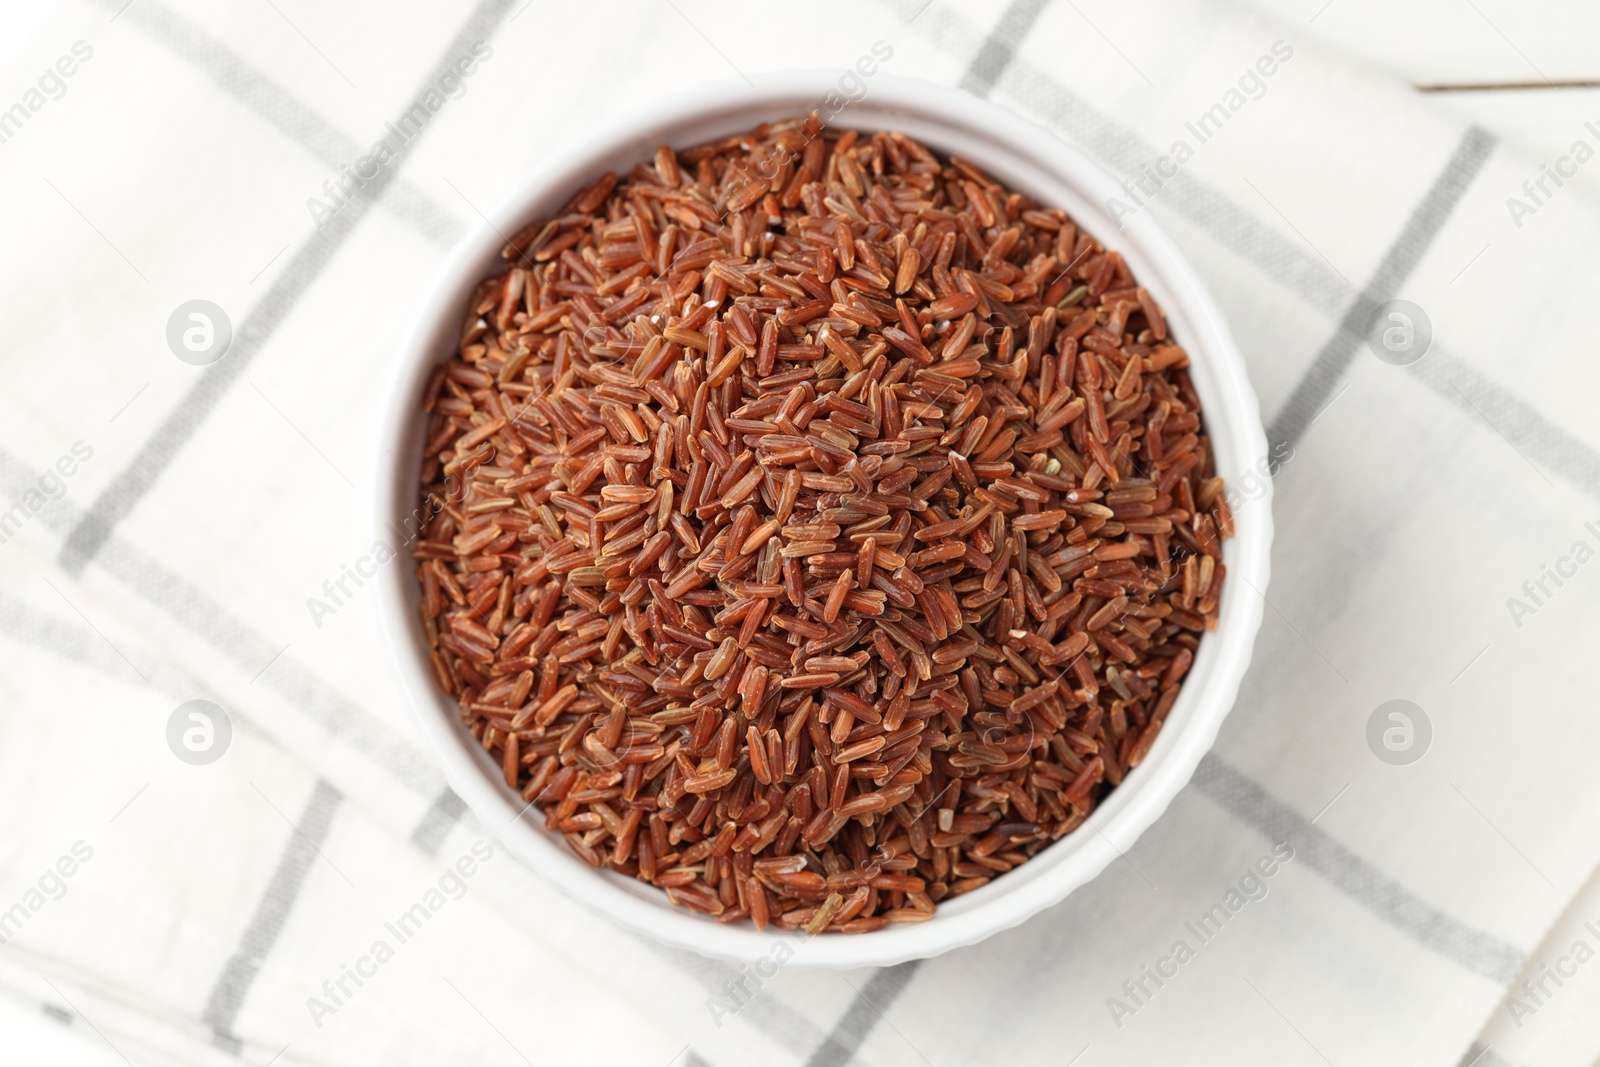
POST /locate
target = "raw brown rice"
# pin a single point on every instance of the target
(820, 529)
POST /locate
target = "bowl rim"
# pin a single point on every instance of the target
(1018, 152)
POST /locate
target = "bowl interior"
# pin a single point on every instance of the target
(1026, 158)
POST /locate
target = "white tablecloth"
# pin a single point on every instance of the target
(162, 151)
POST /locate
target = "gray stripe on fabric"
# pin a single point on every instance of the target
(1385, 898)
(1277, 255)
(1549, 446)
(255, 944)
(1318, 382)
(863, 1015)
(765, 1012)
(131, 485)
(287, 677)
(25, 624)
(1000, 47)
(277, 107)
(203, 616)
(436, 823)
(134, 481)
(28, 625)
(1481, 1055)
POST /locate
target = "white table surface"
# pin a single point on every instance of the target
(1528, 71)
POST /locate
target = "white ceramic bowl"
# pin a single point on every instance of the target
(1023, 156)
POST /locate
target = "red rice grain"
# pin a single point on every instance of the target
(815, 547)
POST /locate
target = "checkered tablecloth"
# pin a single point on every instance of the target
(1318, 894)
